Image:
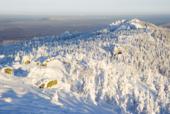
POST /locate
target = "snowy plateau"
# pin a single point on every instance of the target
(121, 69)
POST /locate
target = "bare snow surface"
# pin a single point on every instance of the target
(122, 69)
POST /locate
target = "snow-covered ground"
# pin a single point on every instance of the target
(121, 69)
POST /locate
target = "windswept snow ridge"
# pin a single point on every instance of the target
(131, 24)
(122, 69)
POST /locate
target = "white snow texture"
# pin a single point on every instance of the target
(121, 69)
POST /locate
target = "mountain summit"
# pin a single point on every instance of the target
(132, 24)
(121, 69)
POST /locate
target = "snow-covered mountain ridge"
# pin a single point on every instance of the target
(132, 24)
(121, 69)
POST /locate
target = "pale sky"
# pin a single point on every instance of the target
(80, 7)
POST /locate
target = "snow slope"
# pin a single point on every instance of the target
(121, 69)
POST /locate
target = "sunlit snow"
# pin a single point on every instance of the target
(121, 69)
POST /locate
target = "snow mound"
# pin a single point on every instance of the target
(137, 23)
